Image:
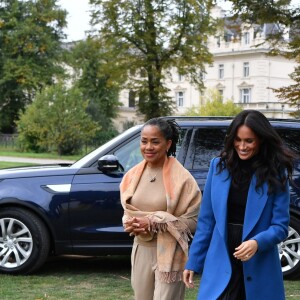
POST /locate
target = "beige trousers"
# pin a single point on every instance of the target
(144, 276)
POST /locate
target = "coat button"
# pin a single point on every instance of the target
(249, 278)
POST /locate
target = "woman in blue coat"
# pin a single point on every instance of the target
(243, 216)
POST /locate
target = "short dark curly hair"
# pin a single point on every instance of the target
(169, 129)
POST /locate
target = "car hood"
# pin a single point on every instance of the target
(38, 171)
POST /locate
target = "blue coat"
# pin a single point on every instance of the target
(266, 221)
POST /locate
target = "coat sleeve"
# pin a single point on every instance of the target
(278, 229)
(205, 227)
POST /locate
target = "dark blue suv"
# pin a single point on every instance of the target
(75, 209)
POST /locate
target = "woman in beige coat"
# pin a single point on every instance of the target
(161, 202)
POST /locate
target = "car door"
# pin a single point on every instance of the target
(95, 207)
(291, 138)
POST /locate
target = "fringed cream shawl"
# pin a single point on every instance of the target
(174, 226)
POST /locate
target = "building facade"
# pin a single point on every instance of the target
(242, 71)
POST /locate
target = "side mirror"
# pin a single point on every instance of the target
(108, 163)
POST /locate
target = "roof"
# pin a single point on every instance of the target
(226, 120)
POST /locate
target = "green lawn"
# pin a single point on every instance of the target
(8, 164)
(78, 278)
(13, 152)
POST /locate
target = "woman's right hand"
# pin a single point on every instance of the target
(188, 278)
(128, 226)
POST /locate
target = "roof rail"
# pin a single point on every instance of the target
(221, 118)
(284, 120)
(199, 117)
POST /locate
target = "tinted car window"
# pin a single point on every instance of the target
(182, 134)
(208, 143)
(291, 138)
(183, 144)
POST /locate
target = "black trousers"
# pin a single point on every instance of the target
(235, 289)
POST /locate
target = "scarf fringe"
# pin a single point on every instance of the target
(181, 233)
(169, 277)
(163, 227)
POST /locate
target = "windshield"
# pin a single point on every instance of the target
(81, 162)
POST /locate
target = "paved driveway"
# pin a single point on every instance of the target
(41, 161)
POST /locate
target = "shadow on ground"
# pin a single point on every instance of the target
(85, 264)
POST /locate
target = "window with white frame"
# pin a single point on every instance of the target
(131, 98)
(246, 69)
(245, 95)
(221, 92)
(218, 41)
(179, 98)
(202, 75)
(143, 73)
(221, 71)
(247, 38)
(180, 77)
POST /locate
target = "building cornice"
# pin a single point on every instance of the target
(234, 52)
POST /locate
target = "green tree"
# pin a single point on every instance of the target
(291, 94)
(283, 13)
(56, 121)
(151, 37)
(214, 106)
(285, 40)
(30, 49)
(99, 78)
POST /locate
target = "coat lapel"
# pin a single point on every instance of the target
(256, 202)
(219, 200)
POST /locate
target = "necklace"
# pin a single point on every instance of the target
(152, 178)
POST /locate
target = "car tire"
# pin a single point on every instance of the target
(289, 251)
(24, 241)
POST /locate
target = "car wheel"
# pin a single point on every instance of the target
(289, 251)
(24, 241)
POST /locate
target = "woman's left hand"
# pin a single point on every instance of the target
(246, 250)
(137, 226)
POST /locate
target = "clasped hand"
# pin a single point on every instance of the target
(136, 226)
